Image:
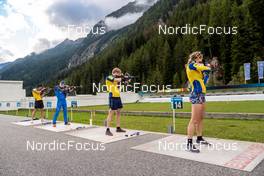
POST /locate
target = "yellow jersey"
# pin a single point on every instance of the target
(37, 94)
(112, 86)
(196, 77)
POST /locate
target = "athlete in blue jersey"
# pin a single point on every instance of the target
(198, 75)
(61, 92)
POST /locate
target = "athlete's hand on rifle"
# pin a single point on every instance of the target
(214, 64)
(45, 91)
(71, 88)
(126, 78)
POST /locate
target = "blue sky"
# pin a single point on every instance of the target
(2, 9)
(34, 25)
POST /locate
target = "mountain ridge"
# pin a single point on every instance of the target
(59, 59)
(157, 59)
(3, 65)
(92, 44)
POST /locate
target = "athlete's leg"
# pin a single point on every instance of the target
(196, 109)
(200, 138)
(109, 117)
(118, 116)
(33, 113)
(42, 114)
(57, 112)
(199, 130)
(65, 114)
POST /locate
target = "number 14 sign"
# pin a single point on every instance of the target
(176, 103)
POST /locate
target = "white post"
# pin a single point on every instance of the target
(174, 117)
(71, 114)
(47, 113)
(91, 119)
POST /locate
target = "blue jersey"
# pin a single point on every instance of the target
(198, 75)
(60, 93)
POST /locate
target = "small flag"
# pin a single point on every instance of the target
(247, 71)
(260, 69)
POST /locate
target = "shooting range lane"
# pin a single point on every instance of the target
(29, 122)
(14, 153)
(60, 127)
(98, 134)
(238, 155)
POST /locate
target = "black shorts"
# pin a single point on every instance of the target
(39, 104)
(115, 103)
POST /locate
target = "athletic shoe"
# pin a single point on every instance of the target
(68, 123)
(192, 148)
(120, 130)
(108, 133)
(203, 142)
(54, 125)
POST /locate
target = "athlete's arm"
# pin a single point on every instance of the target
(56, 90)
(113, 79)
(206, 76)
(118, 79)
(199, 67)
(36, 91)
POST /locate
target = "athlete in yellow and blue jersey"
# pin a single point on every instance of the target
(113, 88)
(38, 93)
(115, 103)
(198, 75)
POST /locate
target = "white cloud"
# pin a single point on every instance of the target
(27, 21)
(2, 60)
(109, 5)
(11, 24)
(118, 23)
(146, 2)
(5, 54)
(42, 45)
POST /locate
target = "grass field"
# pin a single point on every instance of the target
(247, 130)
(238, 107)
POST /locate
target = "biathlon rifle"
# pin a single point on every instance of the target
(71, 89)
(126, 78)
(45, 91)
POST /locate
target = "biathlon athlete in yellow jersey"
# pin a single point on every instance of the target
(198, 75)
(38, 95)
(115, 103)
